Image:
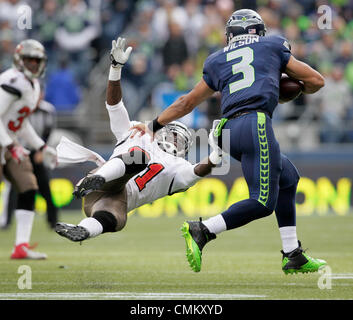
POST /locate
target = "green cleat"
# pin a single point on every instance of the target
(196, 236)
(298, 261)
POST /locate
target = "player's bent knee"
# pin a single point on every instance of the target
(87, 208)
(121, 221)
(289, 176)
(264, 211)
(26, 200)
(135, 160)
(107, 220)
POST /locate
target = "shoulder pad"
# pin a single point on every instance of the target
(280, 40)
(15, 79)
(215, 54)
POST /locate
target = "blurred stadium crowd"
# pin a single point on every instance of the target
(171, 39)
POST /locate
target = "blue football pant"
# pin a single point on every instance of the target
(271, 178)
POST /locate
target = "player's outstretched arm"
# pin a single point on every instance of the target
(312, 79)
(205, 167)
(118, 115)
(181, 107)
(188, 174)
(186, 103)
(118, 58)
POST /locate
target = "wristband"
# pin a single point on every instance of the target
(114, 73)
(115, 63)
(215, 158)
(155, 125)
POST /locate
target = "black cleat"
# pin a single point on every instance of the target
(88, 184)
(196, 236)
(71, 232)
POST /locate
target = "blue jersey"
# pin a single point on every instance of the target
(247, 73)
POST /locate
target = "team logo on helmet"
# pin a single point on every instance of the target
(244, 21)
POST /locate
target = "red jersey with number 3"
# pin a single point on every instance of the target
(28, 93)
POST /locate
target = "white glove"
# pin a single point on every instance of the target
(118, 57)
(49, 157)
(216, 154)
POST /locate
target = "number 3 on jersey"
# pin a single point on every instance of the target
(152, 170)
(16, 125)
(243, 66)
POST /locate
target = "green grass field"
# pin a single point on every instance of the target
(147, 261)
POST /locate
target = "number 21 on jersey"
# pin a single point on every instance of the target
(243, 66)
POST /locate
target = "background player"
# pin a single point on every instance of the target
(43, 122)
(247, 73)
(139, 170)
(19, 94)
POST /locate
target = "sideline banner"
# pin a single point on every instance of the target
(324, 188)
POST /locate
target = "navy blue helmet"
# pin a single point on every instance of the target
(244, 21)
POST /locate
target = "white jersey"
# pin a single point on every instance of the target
(18, 99)
(28, 95)
(165, 174)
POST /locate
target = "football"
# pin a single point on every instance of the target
(289, 88)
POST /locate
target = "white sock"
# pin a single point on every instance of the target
(93, 226)
(112, 169)
(215, 224)
(289, 238)
(24, 222)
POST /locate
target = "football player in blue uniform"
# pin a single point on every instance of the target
(247, 73)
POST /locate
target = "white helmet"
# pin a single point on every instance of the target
(174, 138)
(30, 49)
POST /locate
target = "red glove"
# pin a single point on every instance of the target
(18, 153)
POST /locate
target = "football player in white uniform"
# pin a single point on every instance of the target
(19, 94)
(139, 170)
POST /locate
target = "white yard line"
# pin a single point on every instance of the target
(342, 276)
(124, 295)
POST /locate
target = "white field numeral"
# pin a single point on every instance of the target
(24, 281)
